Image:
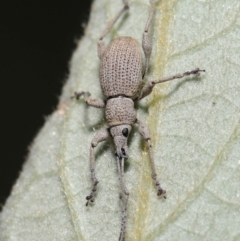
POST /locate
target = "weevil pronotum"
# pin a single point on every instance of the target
(121, 75)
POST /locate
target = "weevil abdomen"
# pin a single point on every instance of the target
(121, 68)
(120, 111)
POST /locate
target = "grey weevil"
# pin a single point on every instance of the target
(121, 75)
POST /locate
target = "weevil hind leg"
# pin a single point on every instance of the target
(143, 130)
(146, 43)
(100, 136)
(123, 195)
(101, 46)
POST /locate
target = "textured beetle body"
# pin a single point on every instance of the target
(120, 111)
(121, 68)
(121, 74)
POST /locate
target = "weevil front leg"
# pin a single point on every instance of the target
(100, 136)
(101, 46)
(146, 43)
(98, 103)
(148, 87)
(143, 130)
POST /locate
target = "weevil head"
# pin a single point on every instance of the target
(120, 136)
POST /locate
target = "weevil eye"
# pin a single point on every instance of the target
(125, 132)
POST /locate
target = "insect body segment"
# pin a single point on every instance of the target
(120, 110)
(121, 73)
(121, 68)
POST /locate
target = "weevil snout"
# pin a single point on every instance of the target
(122, 152)
(120, 137)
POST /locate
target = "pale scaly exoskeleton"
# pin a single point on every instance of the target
(121, 75)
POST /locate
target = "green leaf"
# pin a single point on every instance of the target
(195, 128)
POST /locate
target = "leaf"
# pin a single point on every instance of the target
(195, 128)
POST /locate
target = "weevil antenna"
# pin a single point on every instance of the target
(123, 195)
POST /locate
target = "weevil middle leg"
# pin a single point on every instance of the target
(98, 103)
(148, 87)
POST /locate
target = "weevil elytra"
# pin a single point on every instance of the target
(121, 75)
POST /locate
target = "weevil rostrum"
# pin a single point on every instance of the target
(121, 73)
